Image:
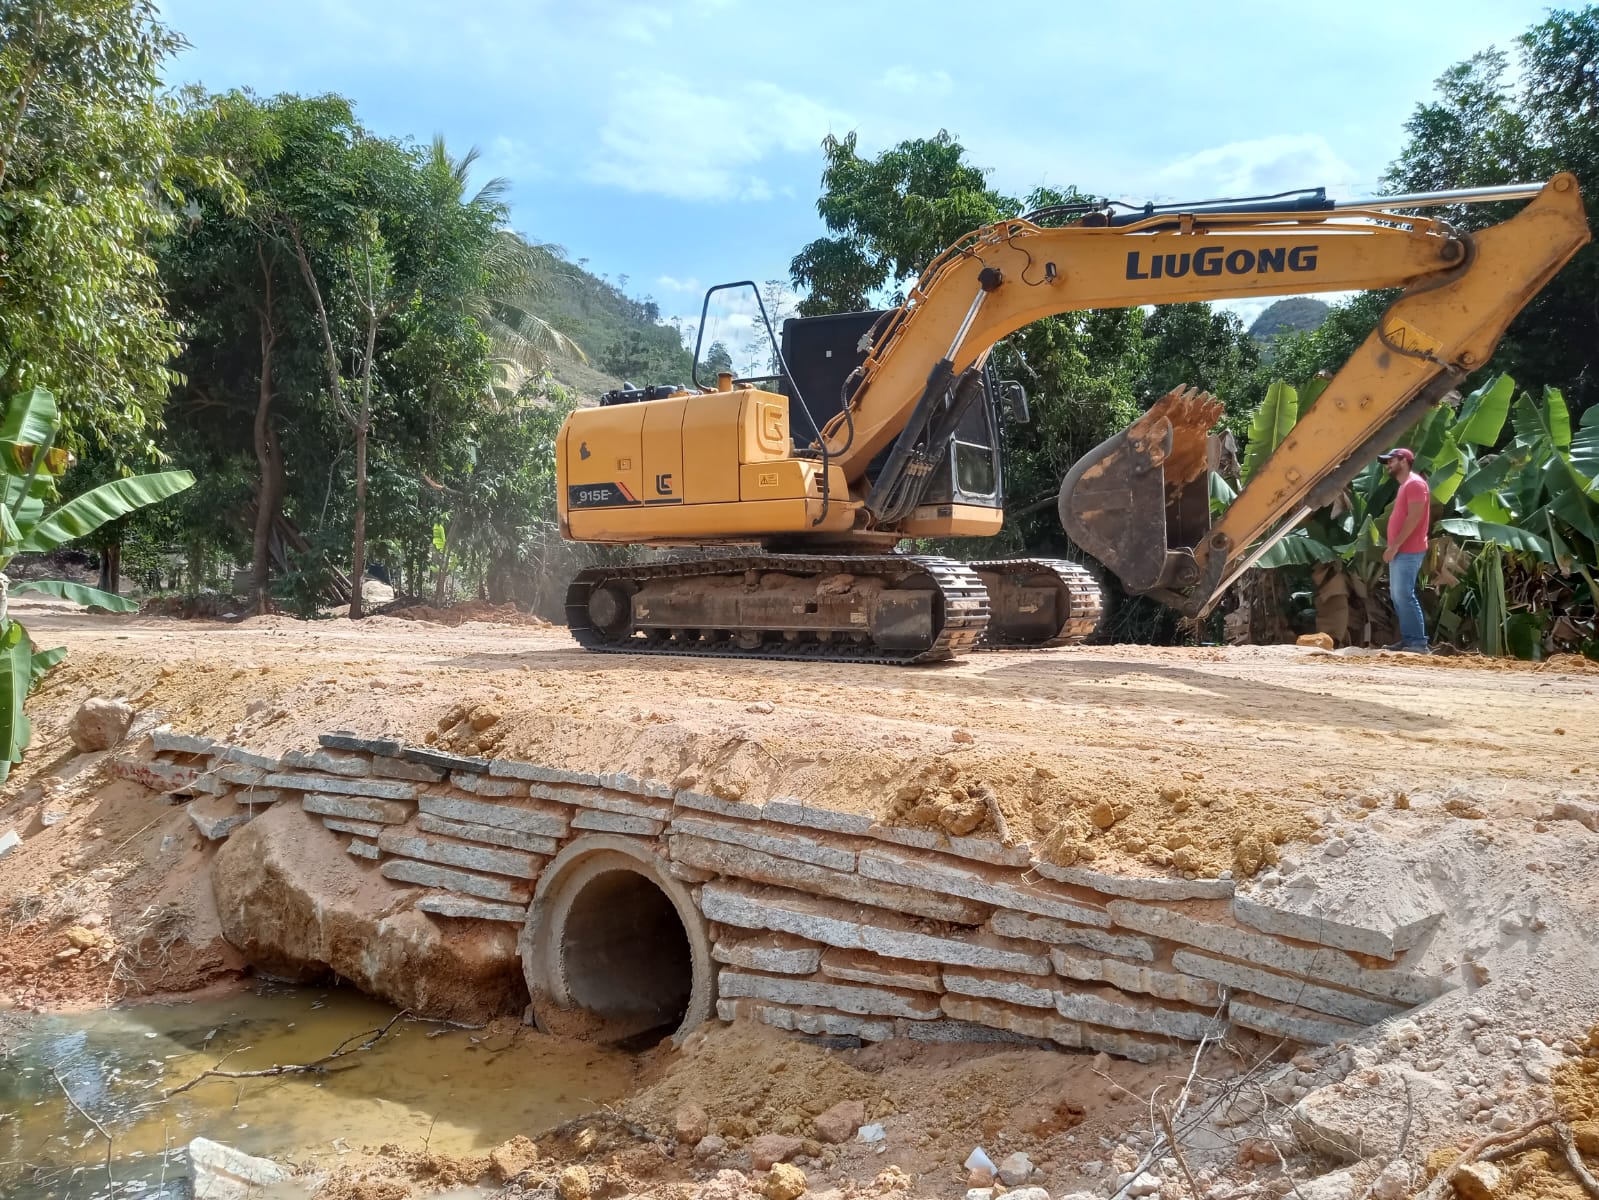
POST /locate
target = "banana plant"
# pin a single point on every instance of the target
(1518, 529)
(30, 462)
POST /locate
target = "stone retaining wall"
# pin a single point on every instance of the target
(827, 923)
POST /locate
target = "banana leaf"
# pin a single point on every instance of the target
(1271, 424)
(1567, 499)
(1297, 550)
(1492, 534)
(16, 677)
(31, 419)
(83, 514)
(1486, 477)
(1483, 412)
(1431, 436)
(1448, 471)
(1585, 451)
(1526, 421)
(78, 593)
(1556, 418)
(42, 661)
(1489, 507)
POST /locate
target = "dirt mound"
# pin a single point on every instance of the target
(473, 611)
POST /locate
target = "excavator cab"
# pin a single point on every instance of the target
(822, 353)
(1140, 502)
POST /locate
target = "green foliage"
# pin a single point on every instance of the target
(1194, 345)
(1514, 534)
(1494, 120)
(891, 215)
(624, 337)
(1272, 422)
(86, 161)
(27, 431)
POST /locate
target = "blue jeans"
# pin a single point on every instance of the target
(1402, 573)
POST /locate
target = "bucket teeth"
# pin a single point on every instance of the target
(1191, 414)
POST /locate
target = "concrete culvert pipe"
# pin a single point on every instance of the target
(614, 947)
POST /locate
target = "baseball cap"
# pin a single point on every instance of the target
(1399, 452)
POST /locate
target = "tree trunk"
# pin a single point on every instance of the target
(111, 568)
(358, 552)
(363, 425)
(268, 456)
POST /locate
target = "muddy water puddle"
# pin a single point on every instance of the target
(457, 1091)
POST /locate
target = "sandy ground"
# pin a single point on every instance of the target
(1198, 747)
(1192, 761)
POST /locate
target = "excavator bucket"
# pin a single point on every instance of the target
(1140, 502)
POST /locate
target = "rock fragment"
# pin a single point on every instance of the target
(574, 1184)
(99, 723)
(219, 1172)
(839, 1123)
(510, 1159)
(770, 1149)
(691, 1123)
(783, 1182)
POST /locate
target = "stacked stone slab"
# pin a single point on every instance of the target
(828, 923)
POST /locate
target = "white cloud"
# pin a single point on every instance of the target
(909, 81)
(640, 22)
(671, 283)
(1254, 167)
(679, 139)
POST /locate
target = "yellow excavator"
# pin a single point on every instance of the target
(787, 502)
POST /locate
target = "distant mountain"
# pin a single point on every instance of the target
(1298, 314)
(623, 337)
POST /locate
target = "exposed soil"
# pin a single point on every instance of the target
(1192, 761)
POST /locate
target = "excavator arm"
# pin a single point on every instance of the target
(1138, 502)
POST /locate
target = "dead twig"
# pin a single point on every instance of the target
(1177, 1152)
(599, 1117)
(1440, 1186)
(82, 1112)
(316, 1067)
(1568, 1148)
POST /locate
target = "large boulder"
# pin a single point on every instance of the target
(297, 905)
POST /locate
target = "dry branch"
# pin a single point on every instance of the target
(82, 1112)
(316, 1067)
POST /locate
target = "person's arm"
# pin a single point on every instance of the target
(1414, 516)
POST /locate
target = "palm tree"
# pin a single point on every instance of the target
(518, 279)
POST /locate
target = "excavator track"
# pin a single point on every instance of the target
(892, 609)
(1036, 603)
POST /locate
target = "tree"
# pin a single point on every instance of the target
(717, 359)
(1194, 345)
(889, 216)
(335, 315)
(1490, 124)
(86, 159)
(518, 280)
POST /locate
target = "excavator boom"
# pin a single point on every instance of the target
(1123, 502)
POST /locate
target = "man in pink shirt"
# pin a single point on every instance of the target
(1407, 546)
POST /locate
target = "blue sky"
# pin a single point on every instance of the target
(677, 142)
